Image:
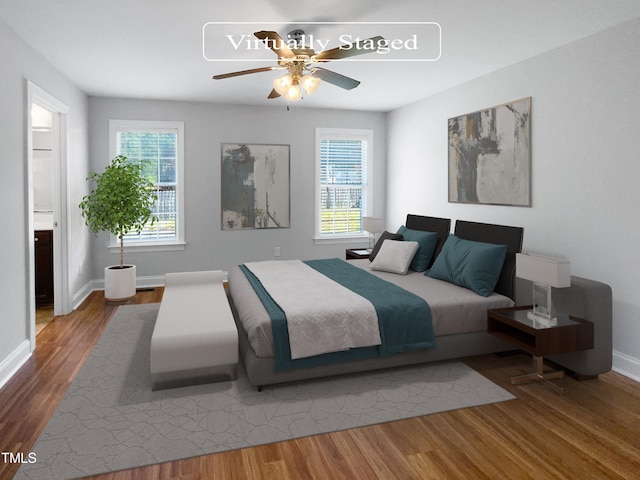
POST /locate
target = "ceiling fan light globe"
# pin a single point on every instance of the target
(282, 84)
(310, 83)
(294, 93)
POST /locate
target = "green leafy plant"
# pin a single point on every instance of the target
(121, 201)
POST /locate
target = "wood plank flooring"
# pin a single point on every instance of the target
(44, 315)
(590, 432)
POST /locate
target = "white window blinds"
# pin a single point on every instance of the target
(159, 147)
(158, 152)
(342, 185)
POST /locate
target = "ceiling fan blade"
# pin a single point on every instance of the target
(244, 72)
(348, 50)
(335, 78)
(275, 43)
(273, 94)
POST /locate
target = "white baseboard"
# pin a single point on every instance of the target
(149, 282)
(141, 282)
(158, 280)
(626, 365)
(93, 285)
(14, 361)
(82, 294)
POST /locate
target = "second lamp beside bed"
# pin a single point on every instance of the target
(372, 225)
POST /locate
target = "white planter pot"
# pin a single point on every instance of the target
(119, 283)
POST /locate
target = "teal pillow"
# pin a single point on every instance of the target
(473, 265)
(427, 242)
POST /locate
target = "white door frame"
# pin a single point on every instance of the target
(62, 300)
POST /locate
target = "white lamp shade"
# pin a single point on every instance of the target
(372, 225)
(551, 271)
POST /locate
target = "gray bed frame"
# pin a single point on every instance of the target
(261, 371)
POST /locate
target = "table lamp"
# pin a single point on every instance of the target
(373, 226)
(544, 272)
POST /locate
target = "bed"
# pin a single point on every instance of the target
(458, 314)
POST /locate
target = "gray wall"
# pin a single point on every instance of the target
(206, 127)
(586, 166)
(20, 63)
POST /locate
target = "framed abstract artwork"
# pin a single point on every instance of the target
(490, 155)
(255, 186)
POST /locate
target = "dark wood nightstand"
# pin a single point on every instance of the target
(568, 334)
(355, 253)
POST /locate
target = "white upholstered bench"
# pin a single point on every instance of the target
(195, 339)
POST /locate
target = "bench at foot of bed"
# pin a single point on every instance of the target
(195, 339)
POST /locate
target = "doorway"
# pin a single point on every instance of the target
(47, 207)
(42, 191)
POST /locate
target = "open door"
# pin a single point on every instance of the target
(48, 158)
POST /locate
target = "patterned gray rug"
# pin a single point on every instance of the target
(111, 420)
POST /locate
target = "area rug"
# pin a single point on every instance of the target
(111, 420)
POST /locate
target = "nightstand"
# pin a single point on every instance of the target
(567, 334)
(355, 253)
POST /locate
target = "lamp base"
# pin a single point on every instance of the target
(542, 321)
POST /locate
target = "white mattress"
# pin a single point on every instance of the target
(454, 309)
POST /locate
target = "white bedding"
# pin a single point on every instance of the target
(322, 315)
(454, 309)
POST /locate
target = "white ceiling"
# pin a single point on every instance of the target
(154, 48)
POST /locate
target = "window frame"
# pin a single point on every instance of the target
(116, 126)
(367, 204)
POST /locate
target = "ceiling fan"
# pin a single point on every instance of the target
(304, 75)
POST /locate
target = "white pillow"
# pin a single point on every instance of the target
(395, 256)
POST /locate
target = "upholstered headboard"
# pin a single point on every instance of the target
(501, 235)
(441, 226)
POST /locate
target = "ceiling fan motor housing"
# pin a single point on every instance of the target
(297, 36)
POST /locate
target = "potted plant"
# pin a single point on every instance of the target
(120, 203)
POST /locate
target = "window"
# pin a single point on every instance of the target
(159, 146)
(343, 160)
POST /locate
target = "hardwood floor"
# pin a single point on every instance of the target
(44, 315)
(590, 432)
